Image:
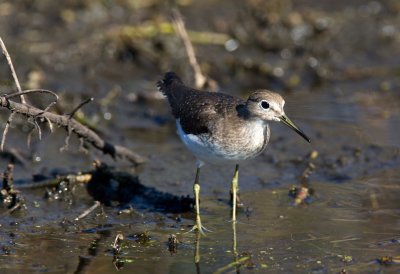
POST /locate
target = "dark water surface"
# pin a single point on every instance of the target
(337, 66)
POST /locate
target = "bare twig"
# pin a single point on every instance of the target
(88, 211)
(3, 139)
(50, 124)
(82, 146)
(49, 106)
(69, 130)
(38, 128)
(179, 26)
(79, 106)
(61, 120)
(66, 145)
(11, 210)
(10, 64)
(28, 91)
(117, 247)
(21, 94)
(80, 130)
(345, 240)
(34, 122)
(54, 182)
(29, 138)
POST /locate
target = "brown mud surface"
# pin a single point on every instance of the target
(337, 64)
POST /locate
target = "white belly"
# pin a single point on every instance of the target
(252, 144)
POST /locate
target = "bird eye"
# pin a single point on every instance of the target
(264, 104)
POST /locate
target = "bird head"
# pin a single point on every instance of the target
(268, 106)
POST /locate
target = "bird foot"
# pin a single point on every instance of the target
(200, 228)
(234, 221)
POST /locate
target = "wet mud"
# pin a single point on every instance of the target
(327, 207)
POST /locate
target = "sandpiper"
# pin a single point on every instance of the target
(218, 128)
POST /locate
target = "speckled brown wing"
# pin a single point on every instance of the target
(195, 109)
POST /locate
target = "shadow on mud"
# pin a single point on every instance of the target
(108, 185)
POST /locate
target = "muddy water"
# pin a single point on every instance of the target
(341, 85)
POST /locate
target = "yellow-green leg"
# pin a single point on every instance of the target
(197, 251)
(235, 187)
(196, 190)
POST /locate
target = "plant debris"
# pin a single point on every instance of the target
(117, 251)
(142, 238)
(173, 244)
(388, 260)
(117, 246)
(301, 195)
(9, 196)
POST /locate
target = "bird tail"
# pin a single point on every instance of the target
(165, 85)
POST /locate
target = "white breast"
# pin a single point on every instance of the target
(249, 142)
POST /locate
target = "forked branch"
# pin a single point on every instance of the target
(67, 121)
(80, 130)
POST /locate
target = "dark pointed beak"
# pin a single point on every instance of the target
(284, 119)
